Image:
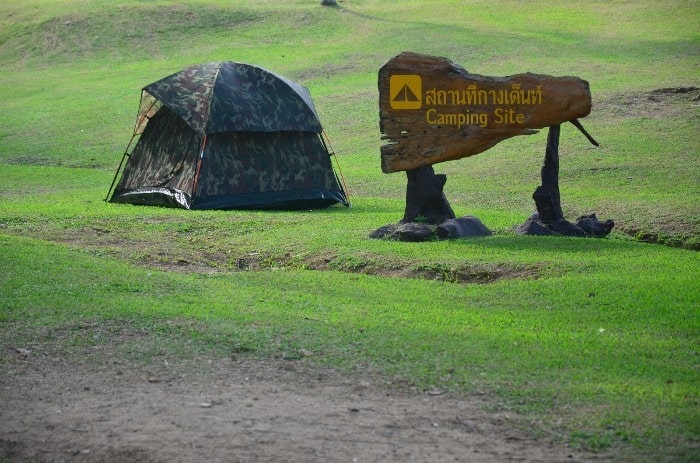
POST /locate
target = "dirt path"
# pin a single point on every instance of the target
(241, 411)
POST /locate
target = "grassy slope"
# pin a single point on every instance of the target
(605, 335)
(611, 45)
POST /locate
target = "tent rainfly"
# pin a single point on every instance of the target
(227, 136)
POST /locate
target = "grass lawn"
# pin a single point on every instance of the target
(594, 342)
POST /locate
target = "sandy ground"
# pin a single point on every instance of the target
(228, 410)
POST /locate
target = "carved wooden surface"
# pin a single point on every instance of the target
(432, 110)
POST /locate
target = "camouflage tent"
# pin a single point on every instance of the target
(227, 136)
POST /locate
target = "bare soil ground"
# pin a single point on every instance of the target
(68, 409)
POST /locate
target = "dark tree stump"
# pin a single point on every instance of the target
(425, 200)
(549, 218)
(594, 227)
(546, 196)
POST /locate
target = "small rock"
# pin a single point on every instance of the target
(22, 351)
(205, 405)
(462, 227)
(594, 227)
(414, 232)
(534, 228)
(381, 232)
(566, 228)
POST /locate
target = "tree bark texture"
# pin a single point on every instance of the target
(546, 196)
(425, 200)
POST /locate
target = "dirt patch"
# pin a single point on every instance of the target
(661, 103)
(457, 273)
(192, 258)
(68, 409)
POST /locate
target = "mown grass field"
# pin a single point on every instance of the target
(595, 342)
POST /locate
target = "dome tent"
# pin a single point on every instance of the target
(227, 136)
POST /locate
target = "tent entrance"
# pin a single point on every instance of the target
(161, 167)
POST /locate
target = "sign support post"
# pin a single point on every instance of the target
(546, 196)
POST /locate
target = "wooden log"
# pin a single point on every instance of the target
(425, 198)
(546, 196)
(432, 110)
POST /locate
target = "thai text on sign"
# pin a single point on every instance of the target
(432, 110)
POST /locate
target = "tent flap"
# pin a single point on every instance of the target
(147, 196)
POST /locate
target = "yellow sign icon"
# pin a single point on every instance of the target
(405, 91)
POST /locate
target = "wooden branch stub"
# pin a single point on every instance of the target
(432, 110)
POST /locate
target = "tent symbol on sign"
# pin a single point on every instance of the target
(405, 91)
(405, 95)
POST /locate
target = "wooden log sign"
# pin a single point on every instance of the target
(432, 110)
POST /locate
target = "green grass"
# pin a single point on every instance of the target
(594, 342)
(612, 348)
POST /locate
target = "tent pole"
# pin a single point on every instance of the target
(116, 174)
(121, 163)
(139, 121)
(141, 116)
(199, 165)
(331, 152)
